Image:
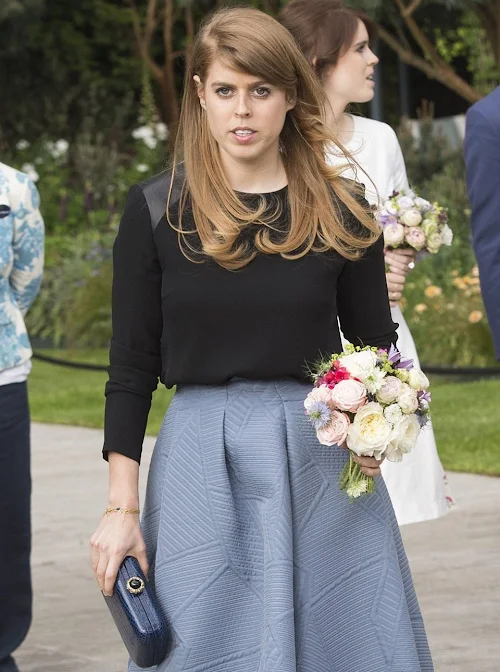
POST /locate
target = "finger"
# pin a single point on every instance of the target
(143, 561)
(371, 472)
(111, 572)
(370, 462)
(94, 554)
(402, 252)
(101, 570)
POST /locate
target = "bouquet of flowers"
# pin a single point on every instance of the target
(410, 221)
(373, 400)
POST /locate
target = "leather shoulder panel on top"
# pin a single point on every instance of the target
(156, 189)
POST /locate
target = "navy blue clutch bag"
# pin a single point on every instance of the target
(137, 616)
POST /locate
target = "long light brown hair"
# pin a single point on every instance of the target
(254, 43)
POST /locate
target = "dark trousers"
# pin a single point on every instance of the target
(15, 525)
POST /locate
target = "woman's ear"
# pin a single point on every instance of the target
(200, 90)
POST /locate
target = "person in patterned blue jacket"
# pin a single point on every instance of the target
(21, 266)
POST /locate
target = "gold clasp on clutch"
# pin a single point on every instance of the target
(135, 585)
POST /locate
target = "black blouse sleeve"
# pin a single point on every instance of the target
(363, 302)
(135, 354)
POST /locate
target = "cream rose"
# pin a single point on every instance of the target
(411, 218)
(418, 380)
(404, 438)
(394, 235)
(407, 399)
(390, 390)
(370, 432)
(335, 432)
(349, 395)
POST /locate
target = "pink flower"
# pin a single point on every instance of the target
(415, 238)
(390, 390)
(335, 431)
(349, 395)
(321, 393)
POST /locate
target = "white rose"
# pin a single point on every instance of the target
(405, 202)
(411, 218)
(407, 399)
(390, 390)
(393, 413)
(370, 432)
(394, 234)
(404, 438)
(422, 204)
(447, 235)
(360, 364)
(349, 395)
(418, 380)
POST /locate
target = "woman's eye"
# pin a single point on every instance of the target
(262, 91)
(223, 91)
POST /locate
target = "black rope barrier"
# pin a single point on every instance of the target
(70, 364)
(467, 371)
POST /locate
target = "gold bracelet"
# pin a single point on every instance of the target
(119, 509)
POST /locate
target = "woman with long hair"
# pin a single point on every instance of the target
(336, 41)
(229, 273)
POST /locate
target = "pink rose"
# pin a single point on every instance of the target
(415, 238)
(349, 395)
(335, 432)
(322, 393)
(390, 390)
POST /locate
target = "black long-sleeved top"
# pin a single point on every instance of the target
(191, 323)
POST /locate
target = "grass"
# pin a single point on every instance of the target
(465, 414)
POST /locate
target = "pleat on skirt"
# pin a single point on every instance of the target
(260, 563)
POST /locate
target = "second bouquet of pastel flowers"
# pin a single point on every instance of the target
(374, 401)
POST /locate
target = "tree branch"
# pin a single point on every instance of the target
(423, 42)
(442, 72)
(412, 7)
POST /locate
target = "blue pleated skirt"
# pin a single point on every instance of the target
(260, 562)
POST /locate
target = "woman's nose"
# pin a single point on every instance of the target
(242, 107)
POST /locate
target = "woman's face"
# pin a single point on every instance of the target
(351, 80)
(244, 114)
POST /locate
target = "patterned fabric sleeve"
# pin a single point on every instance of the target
(28, 244)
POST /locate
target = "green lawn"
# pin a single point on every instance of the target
(465, 415)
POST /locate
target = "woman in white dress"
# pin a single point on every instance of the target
(336, 41)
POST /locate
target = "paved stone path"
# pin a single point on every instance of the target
(455, 563)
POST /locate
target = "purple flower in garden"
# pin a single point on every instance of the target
(319, 414)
